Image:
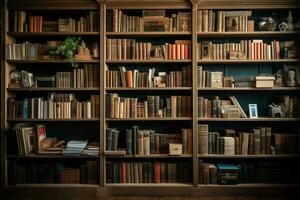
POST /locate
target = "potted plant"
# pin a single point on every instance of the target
(68, 49)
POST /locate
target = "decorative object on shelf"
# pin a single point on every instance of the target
(264, 81)
(15, 79)
(27, 79)
(289, 19)
(267, 24)
(282, 26)
(175, 149)
(95, 51)
(67, 49)
(253, 111)
(83, 53)
(291, 75)
(276, 110)
(278, 79)
(231, 24)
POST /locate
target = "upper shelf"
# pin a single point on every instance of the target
(49, 61)
(147, 34)
(33, 35)
(247, 61)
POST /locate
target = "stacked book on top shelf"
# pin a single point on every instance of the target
(24, 22)
(151, 20)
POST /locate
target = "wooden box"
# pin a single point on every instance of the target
(175, 149)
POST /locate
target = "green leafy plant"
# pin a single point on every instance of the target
(68, 49)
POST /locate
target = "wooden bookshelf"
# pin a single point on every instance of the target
(99, 125)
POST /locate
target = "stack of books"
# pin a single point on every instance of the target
(228, 174)
(75, 147)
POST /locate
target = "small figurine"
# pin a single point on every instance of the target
(278, 79)
(291, 74)
(290, 25)
(83, 52)
(282, 26)
(276, 110)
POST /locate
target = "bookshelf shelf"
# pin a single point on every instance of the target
(146, 61)
(147, 34)
(151, 119)
(48, 61)
(265, 156)
(14, 157)
(251, 89)
(150, 156)
(262, 119)
(247, 61)
(53, 120)
(150, 89)
(255, 34)
(148, 184)
(250, 185)
(25, 35)
(48, 89)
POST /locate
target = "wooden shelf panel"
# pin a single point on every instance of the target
(147, 34)
(51, 89)
(248, 156)
(250, 89)
(51, 120)
(255, 34)
(152, 119)
(31, 35)
(247, 61)
(48, 61)
(148, 184)
(50, 157)
(251, 119)
(150, 156)
(146, 61)
(149, 89)
(52, 185)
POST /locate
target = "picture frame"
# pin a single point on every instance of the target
(253, 111)
(206, 51)
(297, 72)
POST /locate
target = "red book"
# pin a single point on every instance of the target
(186, 51)
(30, 24)
(157, 172)
(129, 78)
(123, 172)
(182, 52)
(173, 51)
(277, 47)
(178, 51)
(169, 51)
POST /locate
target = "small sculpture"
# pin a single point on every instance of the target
(278, 79)
(267, 24)
(276, 110)
(282, 26)
(290, 25)
(291, 74)
(83, 52)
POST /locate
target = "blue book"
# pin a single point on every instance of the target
(26, 108)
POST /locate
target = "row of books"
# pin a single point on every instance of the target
(148, 107)
(245, 172)
(122, 49)
(79, 78)
(26, 173)
(56, 106)
(23, 51)
(290, 106)
(245, 49)
(217, 108)
(206, 78)
(24, 22)
(145, 142)
(136, 78)
(224, 21)
(151, 20)
(148, 172)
